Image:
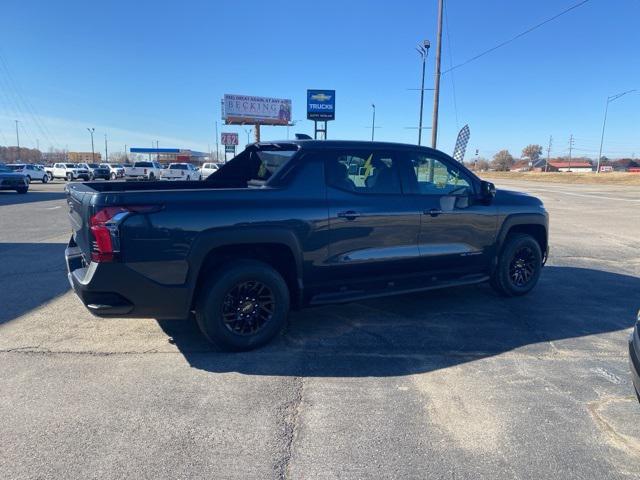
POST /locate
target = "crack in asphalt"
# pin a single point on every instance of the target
(289, 415)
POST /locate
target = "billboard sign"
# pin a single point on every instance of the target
(243, 110)
(321, 105)
(229, 138)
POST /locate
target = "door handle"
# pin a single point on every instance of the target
(349, 215)
(434, 212)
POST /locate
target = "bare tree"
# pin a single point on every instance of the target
(502, 161)
(532, 152)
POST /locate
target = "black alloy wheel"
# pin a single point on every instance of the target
(522, 266)
(248, 307)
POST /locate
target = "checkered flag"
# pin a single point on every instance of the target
(461, 143)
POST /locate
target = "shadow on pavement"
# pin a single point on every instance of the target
(31, 274)
(429, 331)
(8, 197)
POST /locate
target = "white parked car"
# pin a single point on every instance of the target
(181, 171)
(208, 168)
(117, 170)
(32, 172)
(144, 171)
(68, 171)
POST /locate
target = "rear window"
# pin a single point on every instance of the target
(70, 165)
(178, 166)
(143, 164)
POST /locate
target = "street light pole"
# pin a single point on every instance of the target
(423, 50)
(604, 122)
(106, 149)
(436, 93)
(93, 154)
(373, 123)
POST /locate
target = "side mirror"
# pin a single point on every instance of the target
(487, 191)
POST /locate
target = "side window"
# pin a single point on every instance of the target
(437, 178)
(363, 172)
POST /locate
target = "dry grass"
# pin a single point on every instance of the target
(610, 178)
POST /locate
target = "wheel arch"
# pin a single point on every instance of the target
(278, 248)
(536, 225)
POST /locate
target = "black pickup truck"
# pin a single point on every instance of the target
(291, 224)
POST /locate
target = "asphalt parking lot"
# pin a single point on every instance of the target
(448, 384)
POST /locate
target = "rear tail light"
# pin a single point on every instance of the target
(104, 227)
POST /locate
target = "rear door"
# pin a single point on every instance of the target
(457, 232)
(373, 226)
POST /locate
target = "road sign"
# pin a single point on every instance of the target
(229, 149)
(228, 138)
(321, 105)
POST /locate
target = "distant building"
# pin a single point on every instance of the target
(577, 166)
(84, 157)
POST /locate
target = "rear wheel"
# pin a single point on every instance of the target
(243, 305)
(519, 266)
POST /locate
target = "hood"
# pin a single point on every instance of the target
(511, 197)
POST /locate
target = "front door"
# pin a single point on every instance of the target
(457, 232)
(373, 225)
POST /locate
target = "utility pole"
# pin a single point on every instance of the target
(570, 148)
(423, 50)
(604, 122)
(436, 93)
(373, 123)
(546, 167)
(217, 140)
(106, 149)
(126, 157)
(157, 152)
(93, 154)
(18, 140)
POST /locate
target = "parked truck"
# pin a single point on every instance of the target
(297, 223)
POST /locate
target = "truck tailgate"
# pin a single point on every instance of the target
(79, 203)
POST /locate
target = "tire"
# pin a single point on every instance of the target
(92, 177)
(22, 190)
(45, 179)
(50, 176)
(152, 176)
(519, 266)
(113, 176)
(28, 178)
(69, 177)
(228, 292)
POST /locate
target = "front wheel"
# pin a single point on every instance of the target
(519, 266)
(50, 176)
(22, 189)
(45, 178)
(243, 305)
(113, 176)
(69, 177)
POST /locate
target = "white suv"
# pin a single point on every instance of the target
(181, 171)
(32, 172)
(68, 171)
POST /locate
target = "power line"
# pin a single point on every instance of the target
(522, 34)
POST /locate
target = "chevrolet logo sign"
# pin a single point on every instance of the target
(321, 97)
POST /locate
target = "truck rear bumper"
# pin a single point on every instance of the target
(634, 358)
(115, 290)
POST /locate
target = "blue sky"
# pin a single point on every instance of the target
(141, 71)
